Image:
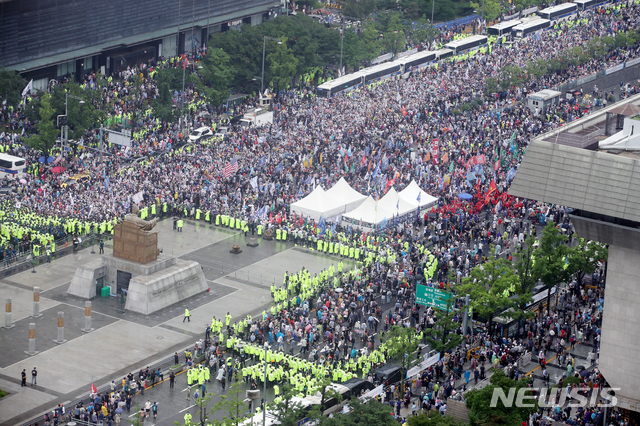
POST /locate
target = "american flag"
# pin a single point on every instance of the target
(230, 168)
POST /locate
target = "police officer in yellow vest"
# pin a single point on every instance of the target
(180, 225)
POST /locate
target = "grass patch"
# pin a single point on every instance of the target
(3, 393)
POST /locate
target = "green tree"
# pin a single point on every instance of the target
(400, 342)
(217, 75)
(482, 413)
(584, 258)
(81, 114)
(282, 67)
(11, 86)
(137, 418)
(46, 135)
(490, 285)
(524, 265)
(551, 259)
(359, 8)
(437, 420)
(443, 336)
(371, 413)
(492, 9)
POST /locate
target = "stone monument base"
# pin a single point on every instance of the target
(150, 287)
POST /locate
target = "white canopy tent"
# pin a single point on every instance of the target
(393, 202)
(367, 216)
(413, 192)
(341, 198)
(309, 205)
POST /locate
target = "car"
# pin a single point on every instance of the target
(389, 374)
(200, 133)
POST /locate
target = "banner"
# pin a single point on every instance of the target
(382, 58)
(372, 393)
(137, 198)
(617, 68)
(632, 62)
(423, 365)
(406, 53)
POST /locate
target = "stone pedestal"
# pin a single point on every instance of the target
(132, 243)
(152, 281)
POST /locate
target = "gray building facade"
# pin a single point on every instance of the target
(42, 38)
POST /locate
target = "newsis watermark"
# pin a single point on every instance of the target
(546, 397)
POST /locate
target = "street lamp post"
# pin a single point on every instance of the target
(65, 131)
(264, 46)
(264, 407)
(341, 43)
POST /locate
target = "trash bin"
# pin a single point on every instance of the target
(106, 291)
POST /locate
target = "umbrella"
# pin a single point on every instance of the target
(584, 373)
(49, 159)
(119, 410)
(57, 169)
(465, 196)
(339, 290)
(23, 181)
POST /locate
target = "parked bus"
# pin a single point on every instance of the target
(524, 30)
(503, 28)
(589, 4)
(340, 84)
(381, 72)
(11, 166)
(417, 60)
(443, 53)
(559, 12)
(468, 43)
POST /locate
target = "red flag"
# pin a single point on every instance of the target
(496, 165)
(480, 159)
(492, 187)
(93, 389)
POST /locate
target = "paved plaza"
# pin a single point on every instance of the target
(124, 342)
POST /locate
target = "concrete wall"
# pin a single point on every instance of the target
(620, 344)
(458, 410)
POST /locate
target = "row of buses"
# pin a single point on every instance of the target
(399, 66)
(519, 28)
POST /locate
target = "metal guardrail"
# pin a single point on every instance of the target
(64, 247)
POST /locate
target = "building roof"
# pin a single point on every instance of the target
(545, 94)
(592, 181)
(627, 110)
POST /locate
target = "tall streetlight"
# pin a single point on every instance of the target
(264, 45)
(66, 114)
(341, 43)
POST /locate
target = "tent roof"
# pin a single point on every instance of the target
(341, 194)
(310, 201)
(410, 193)
(369, 211)
(394, 203)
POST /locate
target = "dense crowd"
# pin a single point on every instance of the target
(380, 136)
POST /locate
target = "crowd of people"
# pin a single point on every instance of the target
(379, 136)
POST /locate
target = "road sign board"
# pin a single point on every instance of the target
(429, 296)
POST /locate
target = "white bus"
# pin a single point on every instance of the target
(468, 43)
(11, 166)
(559, 12)
(523, 30)
(503, 28)
(589, 4)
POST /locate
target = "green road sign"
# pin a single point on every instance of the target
(429, 296)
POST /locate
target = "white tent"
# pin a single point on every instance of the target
(309, 205)
(340, 199)
(413, 191)
(367, 216)
(396, 204)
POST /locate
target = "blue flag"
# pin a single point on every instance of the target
(322, 225)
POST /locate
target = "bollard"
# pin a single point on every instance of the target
(36, 303)
(87, 317)
(7, 314)
(61, 338)
(32, 339)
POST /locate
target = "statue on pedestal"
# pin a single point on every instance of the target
(145, 225)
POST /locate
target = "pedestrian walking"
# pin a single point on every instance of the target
(23, 382)
(172, 379)
(187, 315)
